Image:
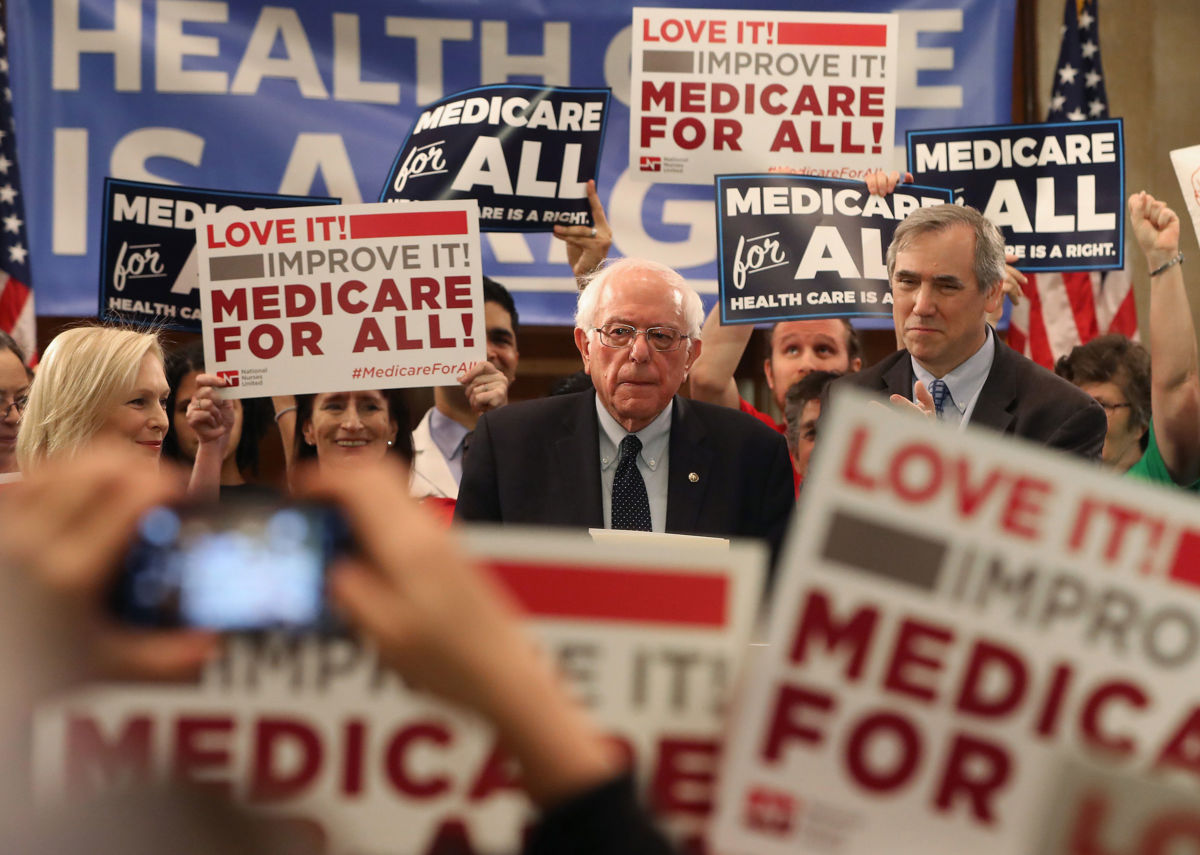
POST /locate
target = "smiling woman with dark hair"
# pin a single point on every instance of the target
(340, 428)
(184, 367)
(14, 391)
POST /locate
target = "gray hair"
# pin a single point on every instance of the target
(589, 297)
(989, 243)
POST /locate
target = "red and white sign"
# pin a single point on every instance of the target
(955, 612)
(1096, 811)
(341, 297)
(722, 91)
(316, 732)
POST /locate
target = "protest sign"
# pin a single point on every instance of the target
(723, 90)
(1057, 191)
(1187, 170)
(795, 247)
(1098, 810)
(285, 97)
(318, 731)
(524, 153)
(341, 297)
(148, 271)
(955, 611)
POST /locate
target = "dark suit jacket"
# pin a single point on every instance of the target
(1019, 397)
(538, 463)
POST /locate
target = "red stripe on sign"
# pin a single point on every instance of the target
(1186, 566)
(857, 35)
(410, 224)
(637, 595)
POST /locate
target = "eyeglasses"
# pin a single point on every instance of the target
(1111, 408)
(662, 339)
(17, 404)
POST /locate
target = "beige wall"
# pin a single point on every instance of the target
(1151, 55)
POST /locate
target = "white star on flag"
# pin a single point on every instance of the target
(7, 194)
(1095, 108)
(1076, 115)
(17, 253)
(1086, 20)
(5, 163)
(1067, 74)
(1056, 103)
(1089, 48)
(13, 223)
(1092, 79)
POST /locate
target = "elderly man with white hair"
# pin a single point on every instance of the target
(631, 453)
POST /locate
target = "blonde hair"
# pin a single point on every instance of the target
(82, 374)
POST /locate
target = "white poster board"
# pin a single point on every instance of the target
(1187, 171)
(342, 297)
(317, 732)
(956, 610)
(723, 90)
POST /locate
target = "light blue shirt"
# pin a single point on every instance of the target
(448, 436)
(965, 382)
(651, 461)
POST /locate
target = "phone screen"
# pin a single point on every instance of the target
(234, 566)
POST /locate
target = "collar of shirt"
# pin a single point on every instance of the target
(966, 381)
(654, 436)
(447, 434)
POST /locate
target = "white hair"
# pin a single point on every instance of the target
(589, 297)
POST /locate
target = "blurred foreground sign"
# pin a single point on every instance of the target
(320, 735)
(957, 612)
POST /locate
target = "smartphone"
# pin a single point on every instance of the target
(235, 566)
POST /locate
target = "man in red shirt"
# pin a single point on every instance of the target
(797, 347)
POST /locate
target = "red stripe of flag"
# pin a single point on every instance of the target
(408, 224)
(636, 595)
(12, 301)
(857, 35)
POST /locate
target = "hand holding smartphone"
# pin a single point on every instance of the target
(236, 567)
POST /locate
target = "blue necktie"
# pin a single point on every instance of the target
(630, 504)
(941, 396)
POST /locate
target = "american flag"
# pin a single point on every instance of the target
(1066, 309)
(16, 294)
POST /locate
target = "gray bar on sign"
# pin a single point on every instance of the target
(668, 60)
(883, 550)
(235, 267)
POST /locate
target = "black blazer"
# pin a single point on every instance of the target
(1019, 398)
(538, 462)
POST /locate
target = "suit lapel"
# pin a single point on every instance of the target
(690, 469)
(898, 378)
(998, 397)
(575, 474)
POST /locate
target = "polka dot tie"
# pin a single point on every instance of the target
(630, 504)
(941, 395)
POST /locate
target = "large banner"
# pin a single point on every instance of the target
(650, 638)
(148, 272)
(301, 98)
(524, 153)
(956, 612)
(1057, 191)
(795, 247)
(341, 297)
(722, 90)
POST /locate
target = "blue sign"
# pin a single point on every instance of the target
(795, 247)
(524, 153)
(1057, 191)
(149, 272)
(301, 98)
